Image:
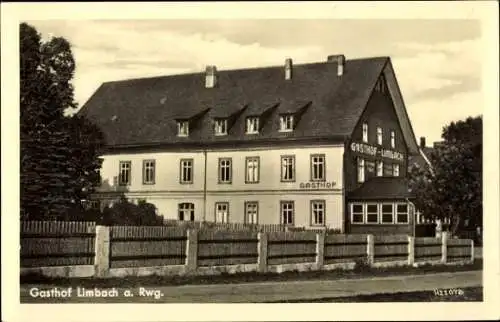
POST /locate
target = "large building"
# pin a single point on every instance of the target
(313, 145)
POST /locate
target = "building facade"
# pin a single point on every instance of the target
(313, 145)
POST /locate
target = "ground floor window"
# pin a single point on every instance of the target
(186, 211)
(357, 213)
(387, 213)
(372, 213)
(318, 213)
(251, 212)
(379, 213)
(287, 210)
(402, 214)
(222, 212)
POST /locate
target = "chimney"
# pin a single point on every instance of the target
(340, 60)
(211, 77)
(288, 68)
(422, 142)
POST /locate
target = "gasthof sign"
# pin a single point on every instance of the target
(376, 151)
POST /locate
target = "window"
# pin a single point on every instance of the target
(357, 214)
(395, 170)
(182, 128)
(222, 212)
(186, 211)
(402, 214)
(361, 170)
(225, 170)
(387, 169)
(252, 170)
(287, 208)
(286, 123)
(380, 168)
(393, 140)
(220, 127)
(318, 213)
(372, 213)
(318, 167)
(288, 168)
(379, 135)
(252, 125)
(387, 214)
(186, 175)
(365, 132)
(124, 177)
(251, 212)
(148, 171)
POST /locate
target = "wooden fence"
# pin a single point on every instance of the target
(458, 249)
(288, 248)
(344, 248)
(227, 248)
(226, 226)
(428, 249)
(390, 248)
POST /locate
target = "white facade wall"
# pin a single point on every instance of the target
(167, 191)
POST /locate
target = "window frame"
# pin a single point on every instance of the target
(379, 168)
(371, 213)
(246, 204)
(292, 157)
(312, 156)
(144, 171)
(382, 213)
(360, 164)
(365, 132)
(393, 139)
(395, 169)
(247, 159)
(179, 127)
(218, 126)
(129, 181)
(222, 203)
(282, 203)
(284, 118)
(191, 209)
(311, 208)
(256, 119)
(219, 168)
(181, 168)
(397, 222)
(380, 136)
(362, 213)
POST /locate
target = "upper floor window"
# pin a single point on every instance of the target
(286, 123)
(148, 171)
(393, 139)
(186, 211)
(252, 126)
(251, 212)
(125, 173)
(317, 167)
(395, 170)
(379, 136)
(186, 171)
(225, 170)
(287, 168)
(361, 170)
(252, 169)
(365, 132)
(220, 127)
(317, 212)
(380, 168)
(287, 211)
(182, 128)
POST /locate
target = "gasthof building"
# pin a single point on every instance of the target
(312, 145)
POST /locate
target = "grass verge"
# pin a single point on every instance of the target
(156, 280)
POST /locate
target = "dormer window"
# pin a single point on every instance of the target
(379, 136)
(252, 126)
(286, 123)
(182, 128)
(365, 132)
(220, 127)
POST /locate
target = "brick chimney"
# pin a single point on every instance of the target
(422, 142)
(288, 68)
(210, 77)
(340, 60)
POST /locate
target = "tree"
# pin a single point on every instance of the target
(454, 188)
(59, 154)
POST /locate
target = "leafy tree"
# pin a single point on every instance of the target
(454, 188)
(126, 213)
(59, 154)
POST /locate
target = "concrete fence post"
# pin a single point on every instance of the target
(370, 249)
(472, 250)
(262, 251)
(192, 250)
(102, 250)
(411, 250)
(320, 249)
(444, 247)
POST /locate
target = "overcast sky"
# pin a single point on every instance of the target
(437, 62)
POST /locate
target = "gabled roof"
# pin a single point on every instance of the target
(382, 188)
(422, 159)
(141, 112)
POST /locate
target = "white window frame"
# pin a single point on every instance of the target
(148, 171)
(125, 167)
(287, 210)
(220, 126)
(252, 212)
(252, 125)
(182, 128)
(186, 164)
(252, 169)
(225, 163)
(377, 213)
(357, 213)
(365, 132)
(397, 213)
(287, 161)
(287, 122)
(187, 209)
(380, 135)
(318, 161)
(380, 168)
(393, 139)
(360, 170)
(318, 210)
(222, 215)
(382, 213)
(395, 169)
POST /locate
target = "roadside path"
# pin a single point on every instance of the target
(275, 291)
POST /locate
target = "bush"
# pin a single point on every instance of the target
(125, 213)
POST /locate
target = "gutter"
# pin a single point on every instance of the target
(205, 186)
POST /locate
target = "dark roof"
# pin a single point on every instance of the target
(381, 188)
(419, 160)
(143, 111)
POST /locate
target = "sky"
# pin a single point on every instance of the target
(437, 62)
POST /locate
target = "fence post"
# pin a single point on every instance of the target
(472, 251)
(444, 247)
(262, 251)
(102, 250)
(411, 250)
(370, 249)
(192, 250)
(320, 249)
